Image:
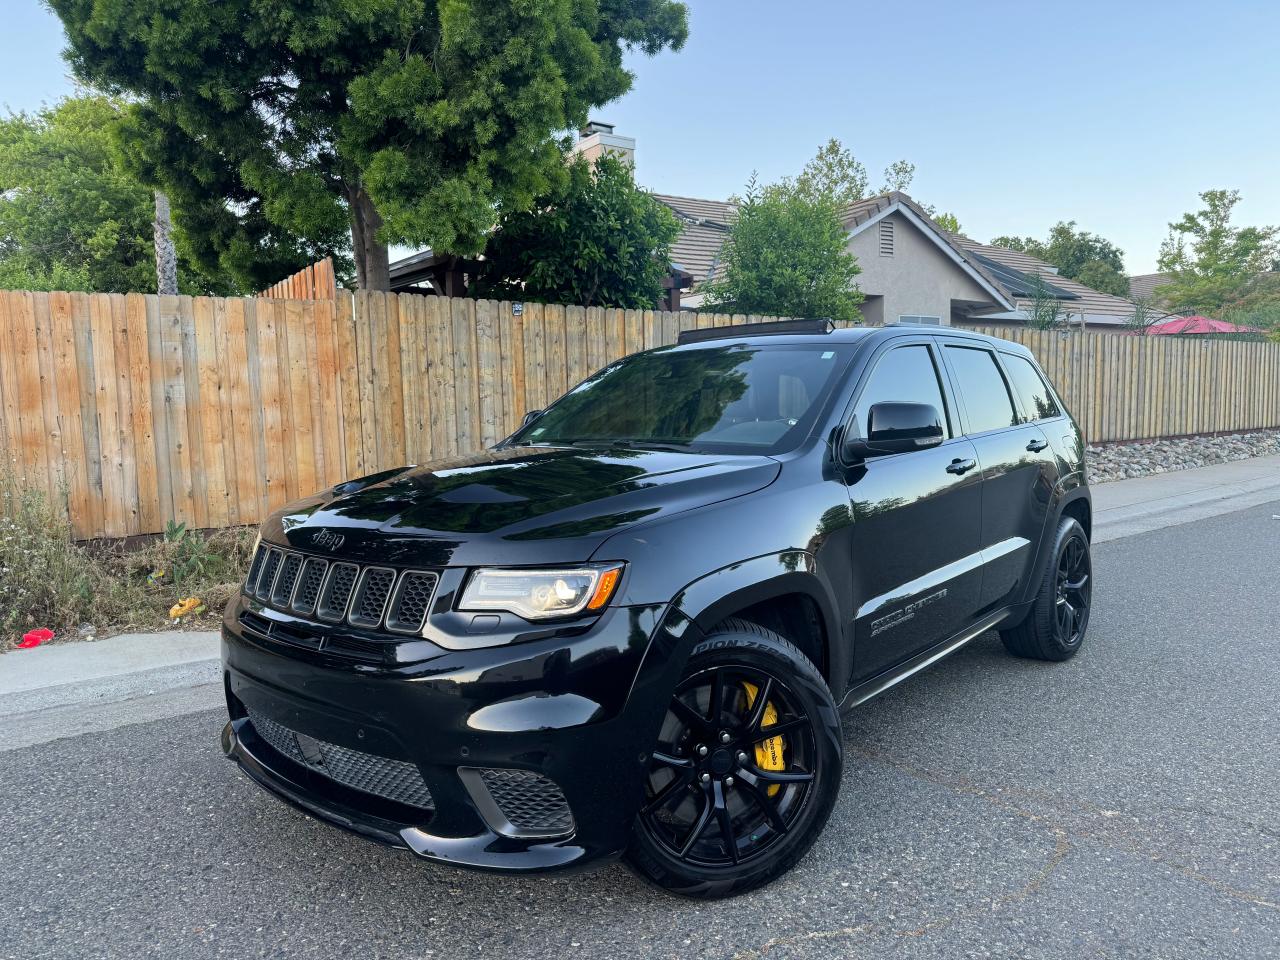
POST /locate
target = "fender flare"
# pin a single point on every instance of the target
(716, 595)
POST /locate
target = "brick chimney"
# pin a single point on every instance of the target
(596, 139)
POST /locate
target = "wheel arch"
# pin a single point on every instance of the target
(784, 588)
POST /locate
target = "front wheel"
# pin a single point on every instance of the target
(1054, 629)
(745, 771)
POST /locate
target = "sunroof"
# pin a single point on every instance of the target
(1017, 282)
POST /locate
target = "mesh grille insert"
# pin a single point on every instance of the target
(529, 801)
(337, 592)
(412, 599)
(283, 591)
(371, 598)
(396, 780)
(255, 568)
(269, 569)
(309, 583)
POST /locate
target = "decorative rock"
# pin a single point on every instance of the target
(1117, 461)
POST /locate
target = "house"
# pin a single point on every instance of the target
(913, 271)
(1144, 285)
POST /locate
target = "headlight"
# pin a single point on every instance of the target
(542, 594)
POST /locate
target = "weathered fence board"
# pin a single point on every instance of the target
(130, 411)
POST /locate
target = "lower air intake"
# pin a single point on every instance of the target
(396, 780)
(529, 801)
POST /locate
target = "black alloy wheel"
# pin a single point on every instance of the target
(744, 771)
(1071, 599)
(1054, 627)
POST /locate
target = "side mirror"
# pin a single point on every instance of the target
(896, 427)
(529, 417)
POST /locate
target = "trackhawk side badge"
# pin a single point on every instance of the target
(906, 613)
(327, 539)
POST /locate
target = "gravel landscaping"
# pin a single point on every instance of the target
(1119, 461)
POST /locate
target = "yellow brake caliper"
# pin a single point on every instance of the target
(768, 752)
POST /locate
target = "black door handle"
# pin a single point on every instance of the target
(958, 466)
(1035, 446)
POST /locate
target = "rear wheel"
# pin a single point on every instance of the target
(745, 771)
(1055, 627)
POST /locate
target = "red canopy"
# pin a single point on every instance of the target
(1193, 325)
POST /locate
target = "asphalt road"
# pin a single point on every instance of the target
(1124, 804)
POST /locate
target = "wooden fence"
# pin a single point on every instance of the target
(1123, 387)
(314, 282)
(135, 410)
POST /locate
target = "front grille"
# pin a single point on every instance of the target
(268, 577)
(396, 780)
(373, 597)
(409, 609)
(282, 592)
(337, 592)
(309, 583)
(530, 802)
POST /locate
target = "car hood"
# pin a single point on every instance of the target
(521, 505)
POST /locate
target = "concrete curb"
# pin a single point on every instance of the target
(1124, 508)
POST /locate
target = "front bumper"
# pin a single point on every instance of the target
(579, 710)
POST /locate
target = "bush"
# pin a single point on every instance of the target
(49, 580)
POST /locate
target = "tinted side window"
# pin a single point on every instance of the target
(986, 397)
(904, 374)
(1037, 401)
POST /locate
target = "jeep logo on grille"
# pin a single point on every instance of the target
(327, 539)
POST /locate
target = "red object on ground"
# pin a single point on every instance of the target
(35, 638)
(1197, 324)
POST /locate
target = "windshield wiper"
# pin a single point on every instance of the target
(623, 443)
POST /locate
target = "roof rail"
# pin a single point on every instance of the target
(769, 329)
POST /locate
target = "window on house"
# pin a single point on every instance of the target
(886, 238)
(917, 319)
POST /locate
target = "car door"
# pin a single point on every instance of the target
(916, 561)
(1018, 469)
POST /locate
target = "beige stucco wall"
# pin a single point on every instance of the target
(918, 280)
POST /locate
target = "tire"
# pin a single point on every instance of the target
(729, 788)
(1054, 628)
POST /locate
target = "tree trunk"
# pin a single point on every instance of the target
(372, 258)
(166, 256)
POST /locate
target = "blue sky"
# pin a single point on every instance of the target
(1015, 114)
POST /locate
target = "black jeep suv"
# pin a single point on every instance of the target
(630, 628)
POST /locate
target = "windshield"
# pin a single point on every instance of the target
(732, 398)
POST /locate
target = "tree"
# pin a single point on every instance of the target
(278, 126)
(837, 174)
(1213, 263)
(787, 255)
(597, 240)
(1079, 255)
(71, 216)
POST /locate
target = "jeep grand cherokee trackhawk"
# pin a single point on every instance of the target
(630, 628)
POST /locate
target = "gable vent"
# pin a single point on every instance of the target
(886, 238)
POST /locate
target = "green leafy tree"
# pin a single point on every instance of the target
(1145, 315)
(71, 216)
(837, 174)
(1078, 255)
(278, 126)
(597, 240)
(787, 255)
(1213, 263)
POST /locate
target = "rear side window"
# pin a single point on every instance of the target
(1037, 400)
(904, 374)
(986, 396)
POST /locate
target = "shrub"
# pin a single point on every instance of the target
(49, 580)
